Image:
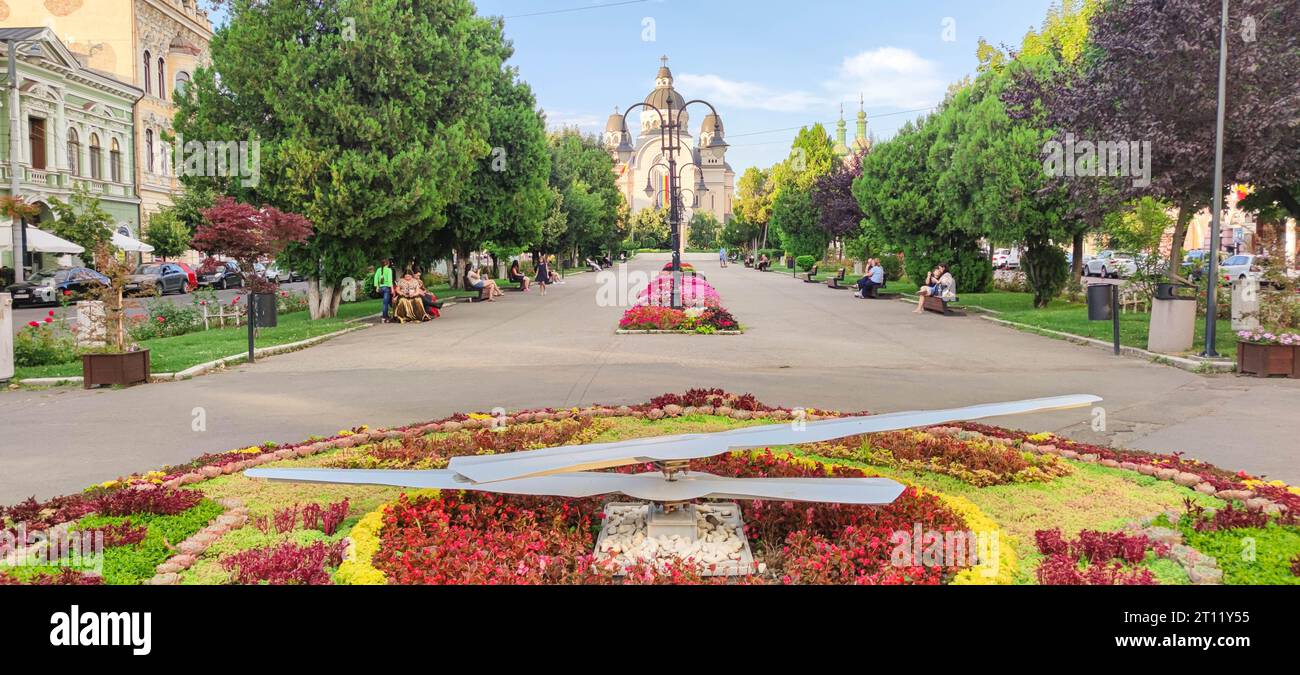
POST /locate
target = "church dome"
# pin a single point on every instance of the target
(706, 127)
(664, 96)
(615, 123)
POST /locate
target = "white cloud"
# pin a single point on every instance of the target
(887, 77)
(557, 119)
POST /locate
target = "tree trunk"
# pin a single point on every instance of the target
(1076, 262)
(1180, 235)
(322, 298)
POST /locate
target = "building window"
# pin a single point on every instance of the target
(115, 162)
(162, 79)
(96, 158)
(36, 141)
(182, 81)
(148, 73)
(74, 152)
(148, 149)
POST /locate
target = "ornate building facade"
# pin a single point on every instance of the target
(641, 177)
(75, 129)
(154, 45)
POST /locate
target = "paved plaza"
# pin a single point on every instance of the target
(805, 345)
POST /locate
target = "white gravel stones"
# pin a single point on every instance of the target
(719, 547)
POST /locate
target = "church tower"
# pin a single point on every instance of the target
(861, 142)
(841, 148)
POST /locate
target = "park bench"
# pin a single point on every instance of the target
(938, 305)
(762, 266)
(834, 282)
(808, 276)
(875, 294)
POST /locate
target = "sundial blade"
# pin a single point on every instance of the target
(489, 468)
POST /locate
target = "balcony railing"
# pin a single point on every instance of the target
(63, 181)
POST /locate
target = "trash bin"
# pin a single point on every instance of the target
(1168, 291)
(1099, 307)
(265, 306)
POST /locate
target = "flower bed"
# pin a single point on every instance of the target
(702, 311)
(961, 478)
(487, 538)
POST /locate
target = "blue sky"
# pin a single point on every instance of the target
(767, 65)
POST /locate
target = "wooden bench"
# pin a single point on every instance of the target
(938, 305)
(808, 276)
(762, 266)
(834, 282)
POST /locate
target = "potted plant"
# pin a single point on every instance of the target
(1263, 353)
(117, 361)
(251, 235)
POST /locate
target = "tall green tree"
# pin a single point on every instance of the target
(167, 234)
(704, 230)
(83, 221)
(509, 198)
(370, 127)
(582, 173)
(812, 155)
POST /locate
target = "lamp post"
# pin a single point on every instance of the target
(670, 142)
(1212, 282)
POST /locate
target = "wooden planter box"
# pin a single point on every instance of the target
(1267, 360)
(124, 369)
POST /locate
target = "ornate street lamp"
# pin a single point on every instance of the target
(670, 142)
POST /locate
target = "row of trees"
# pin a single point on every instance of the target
(398, 130)
(1138, 75)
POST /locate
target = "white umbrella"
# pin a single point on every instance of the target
(125, 243)
(44, 242)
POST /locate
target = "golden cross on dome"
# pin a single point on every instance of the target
(664, 60)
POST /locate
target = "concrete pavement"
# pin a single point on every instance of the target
(805, 345)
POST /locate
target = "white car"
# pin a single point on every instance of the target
(1240, 266)
(1109, 264)
(1006, 259)
(274, 273)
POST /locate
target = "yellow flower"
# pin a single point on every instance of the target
(479, 416)
(1040, 437)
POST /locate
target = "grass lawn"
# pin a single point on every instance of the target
(173, 354)
(1072, 317)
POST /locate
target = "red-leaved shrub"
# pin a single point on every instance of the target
(285, 564)
(128, 501)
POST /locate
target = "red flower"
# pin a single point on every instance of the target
(161, 320)
(49, 319)
(51, 313)
(33, 324)
(67, 292)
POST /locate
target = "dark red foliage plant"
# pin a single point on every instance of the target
(65, 577)
(285, 564)
(130, 501)
(1108, 557)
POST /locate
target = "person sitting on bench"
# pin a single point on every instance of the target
(938, 284)
(485, 287)
(763, 263)
(432, 306)
(595, 266)
(872, 280)
(516, 276)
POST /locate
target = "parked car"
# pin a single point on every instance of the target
(280, 276)
(1006, 258)
(160, 278)
(1241, 266)
(227, 275)
(191, 277)
(1109, 264)
(46, 287)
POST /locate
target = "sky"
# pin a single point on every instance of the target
(768, 66)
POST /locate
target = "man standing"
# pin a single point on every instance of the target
(383, 281)
(722, 256)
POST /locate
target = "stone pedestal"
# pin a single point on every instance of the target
(1245, 304)
(1172, 326)
(92, 324)
(6, 337)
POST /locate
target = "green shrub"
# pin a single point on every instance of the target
(288, 303)
(805, 262)
(1046, 272)
(166, 319)
(893, 268)
(43, 345)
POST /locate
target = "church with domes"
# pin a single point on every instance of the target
(707, 182)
